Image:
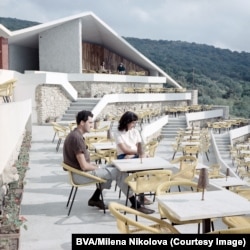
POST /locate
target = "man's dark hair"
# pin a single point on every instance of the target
(125, 119)
(83, 116)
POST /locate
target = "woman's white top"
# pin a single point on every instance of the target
(130, 138)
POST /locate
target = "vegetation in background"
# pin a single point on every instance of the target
(221, 76)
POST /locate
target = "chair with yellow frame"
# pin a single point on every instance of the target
(173, 187)
(214, 171)
(7, 89)
(60, 132)
(108, 155)
(151, 147)
(187, 168)
(90, 180)
(236, 221)
(148, 224)
(146, 182)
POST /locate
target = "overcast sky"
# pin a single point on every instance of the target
(221, 23)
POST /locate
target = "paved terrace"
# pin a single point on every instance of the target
(46, 193)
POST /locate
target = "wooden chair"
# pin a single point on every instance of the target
(146, 182)
(90, 180)
(148, 224)
(169, 187)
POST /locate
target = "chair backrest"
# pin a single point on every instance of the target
(214, 171)
(90, 179)
(147, 181)
(108, 155)
(191, 150)
(89, 140)
(127, 223)
(184, 185)
(188, 173)
(236, 221)
(60, 129)
(185, 161)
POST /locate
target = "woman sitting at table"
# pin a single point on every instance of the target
(127, 138)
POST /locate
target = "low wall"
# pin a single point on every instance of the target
(15, 119)
(239, 134)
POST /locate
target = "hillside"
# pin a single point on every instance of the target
(221, 76)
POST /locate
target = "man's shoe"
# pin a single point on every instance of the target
(144, 210)
(98, 204)
(144, 201)
(147, 201)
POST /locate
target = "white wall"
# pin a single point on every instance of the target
(238, 132)
(15, 117)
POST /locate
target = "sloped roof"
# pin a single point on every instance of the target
(95, 31)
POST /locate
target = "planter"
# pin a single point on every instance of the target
(10, 241)
(10, 218)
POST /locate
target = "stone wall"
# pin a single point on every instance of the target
(52, 102)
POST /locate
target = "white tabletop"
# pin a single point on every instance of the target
(132, 165)
(230, 181)
(186, 143)
(104, 145)
(219, 203)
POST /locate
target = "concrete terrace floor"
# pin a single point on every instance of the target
(46, 193)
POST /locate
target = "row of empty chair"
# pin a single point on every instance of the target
(133, 90)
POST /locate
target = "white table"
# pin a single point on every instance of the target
(133, 165)
(104, 145)
(216, 204)
(230, 181)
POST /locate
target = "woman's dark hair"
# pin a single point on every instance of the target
(83, 116)
(125, 119)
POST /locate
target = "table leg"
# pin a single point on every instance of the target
(206, 225)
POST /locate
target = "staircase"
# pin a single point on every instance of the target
(173, 125)
(80, 104)
(223, 142)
